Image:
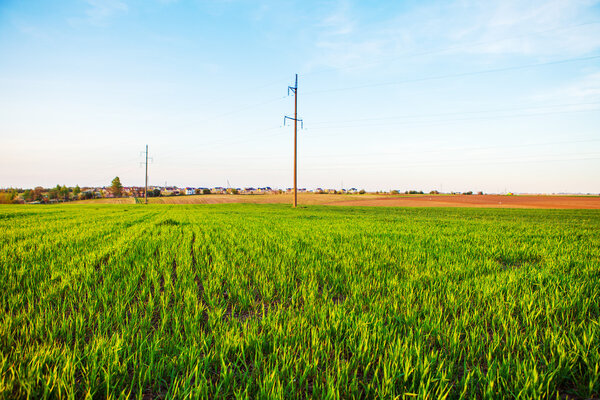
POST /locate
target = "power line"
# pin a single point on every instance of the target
(457, 75)
(450, 163)
(438, 122)
(244, 108)
(446, 49)
(576, 157)
(252, 136)
(228, 97)
(248, 138)
(459, 113)
(442, 150)
(455, 148)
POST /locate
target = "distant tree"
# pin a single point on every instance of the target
(64, 192)
(434, 192)
(480, 193)
(76, 190)
(468, 193)
(28, 195)
(205, 191)
(37, 193)
(116, 187)
(9, 196)
(15, 197)
(155, 193)
(5, 198)
(54, 192)
(394, 192)
(362, 191)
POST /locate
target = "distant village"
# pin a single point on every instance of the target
(59, 194)
(156, 191)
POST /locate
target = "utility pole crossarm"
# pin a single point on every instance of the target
(294, 119)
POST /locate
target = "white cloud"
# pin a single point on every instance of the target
(100, 11)
(542, 29)
(339, 22)
(341, 41)
(585, 90)
(539, 28)
(31, 30)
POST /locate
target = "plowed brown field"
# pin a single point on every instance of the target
(493, 201)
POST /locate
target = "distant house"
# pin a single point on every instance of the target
(189, 190)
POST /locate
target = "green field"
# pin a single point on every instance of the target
(263, 301)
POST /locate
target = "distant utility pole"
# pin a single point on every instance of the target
(146, 181)
(295, 119)
(146, 189)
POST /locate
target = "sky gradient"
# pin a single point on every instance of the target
(449, 95)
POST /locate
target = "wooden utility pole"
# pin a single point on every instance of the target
(294, 89)
(296, 143)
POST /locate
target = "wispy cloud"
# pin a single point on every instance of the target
(339, 22)
(586, 89)
(341, 41)
(31, 30)
(99, 12)
(541, 29)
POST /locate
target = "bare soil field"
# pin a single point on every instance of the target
(303, 198)
(379, 200)
(122, 200)
(488, 201)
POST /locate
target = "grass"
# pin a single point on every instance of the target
(262, 301)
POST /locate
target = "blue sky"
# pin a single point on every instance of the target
(451, 95)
